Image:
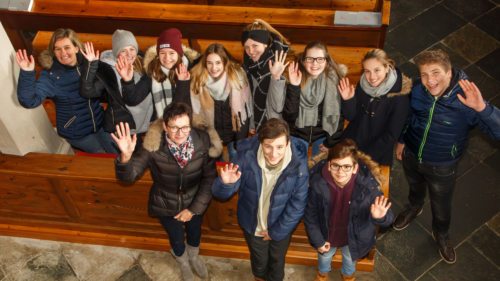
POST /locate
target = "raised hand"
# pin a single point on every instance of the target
(125, 142)
(379, 207)
(346, 90)
(325, 248)
(230, 174)
(89, 52)
(125, 68)
(294, 74)
(473, 97)
(182, 72)
(278, 66)
(25, 63)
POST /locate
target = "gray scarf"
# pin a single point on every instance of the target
(217, 88)
(162, 93)
(381, 89)
(322, 89)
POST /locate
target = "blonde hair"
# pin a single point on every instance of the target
(62, 33)
(234, 72)
(260, 24)
(331, 65)
(381, 56)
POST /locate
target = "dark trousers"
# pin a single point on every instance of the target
(176, 229)
(267, 257)
(439, 180)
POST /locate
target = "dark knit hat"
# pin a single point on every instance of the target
(122, 39)
(170, 38)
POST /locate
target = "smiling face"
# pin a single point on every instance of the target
(254, 49)
(129, 53)
(65, 52)
(215, 65)
(435, 78)
(274, 149)
(178, 129)
(338, 167)
(314, 68)
(375, 72)
(168, 57)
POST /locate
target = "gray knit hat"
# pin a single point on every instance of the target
(121, 39)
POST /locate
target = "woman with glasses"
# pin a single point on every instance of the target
(312, 104)
(378, 108)
(182, 173)
(344, 206)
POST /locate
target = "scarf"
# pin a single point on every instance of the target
(381, 89)
(183, 152)
(162, 93)
(322, 89)
(260, 77)
(218, 89)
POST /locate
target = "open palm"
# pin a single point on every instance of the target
(346, 90)
(124, 68)
(25, 63)
(126, 143)
(278, 66)
(230, 174)
(89, 52)
(379, 207)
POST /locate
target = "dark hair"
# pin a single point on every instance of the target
(274, 128)
(330, 67)
(175, 110)
(436, 56)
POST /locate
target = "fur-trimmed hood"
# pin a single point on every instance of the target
(190, 56)
(47, 61)
(153, 139)
(405, 87)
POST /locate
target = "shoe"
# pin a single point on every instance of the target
(196, 262)
(446, 251)
(321, 276)
(406, 217)
(347, 277)
(183, 261)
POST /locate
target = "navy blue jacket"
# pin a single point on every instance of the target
(76, 117)
(288, 198)
(361, 228)
(438, 129)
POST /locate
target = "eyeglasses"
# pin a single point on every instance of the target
(319, 60)
(175, 129)
(336, 167)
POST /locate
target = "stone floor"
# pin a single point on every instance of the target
(470, 32)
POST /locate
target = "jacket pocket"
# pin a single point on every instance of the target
(69, 122)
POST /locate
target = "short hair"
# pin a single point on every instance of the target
(273, 129)
(177, 109)
(344, 148)
(62, 33)
(436, 56)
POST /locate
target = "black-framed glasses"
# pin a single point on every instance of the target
(336, 167)
(175, 129)
(318, 59)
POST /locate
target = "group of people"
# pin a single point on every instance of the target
(174, 110)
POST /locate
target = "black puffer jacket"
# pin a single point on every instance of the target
(174, 189)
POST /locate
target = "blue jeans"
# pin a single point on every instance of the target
(176, 229)
(100, 142)
(231, 150)
(315, 145)
(325, 261)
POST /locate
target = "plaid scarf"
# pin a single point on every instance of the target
(183, 152)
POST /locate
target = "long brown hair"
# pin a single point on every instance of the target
(155, 72)
(331, 65)
(234, 72)
(348, 148)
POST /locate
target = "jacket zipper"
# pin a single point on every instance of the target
(112, 115)
(426, 132)
(179, 189)
(310, 135)
(91, 111)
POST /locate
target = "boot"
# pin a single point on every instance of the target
(196, 262)
(321, 276)
(183, 261)
(348, 277)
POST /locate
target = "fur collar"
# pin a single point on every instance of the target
(47, 61)
(405, 87)
(153, 139)
(189, 57)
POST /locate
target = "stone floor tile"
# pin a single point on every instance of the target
(2, 275)
(300, 272)
(409, 69)
(412, 250)
(493, 160)
(159, 266)
(49, 265)
(494, 223)
(467, 11)
(480, 145)
(401, 10)
(487, 243)
(466, 163)
(471, 42)
(489, 87)
(427, 277)
(398, 186)
(87, 261)
(403, 38)
(456, 60)
(470, 265)
(439, 21)
(489, 23)
(490, 63)
(136, 273)
(383, 270)
(394, 54)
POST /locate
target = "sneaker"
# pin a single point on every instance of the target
(445, 249)
(405, 217)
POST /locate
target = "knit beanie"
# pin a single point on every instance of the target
(122, 39)
(170, 38)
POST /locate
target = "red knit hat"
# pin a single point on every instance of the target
(170, 38)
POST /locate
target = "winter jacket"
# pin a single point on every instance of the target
(76, 117)
(376, 123)
(288, 198)
(438, 128)
(99, 80)
(361, 227)
(174, 188)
